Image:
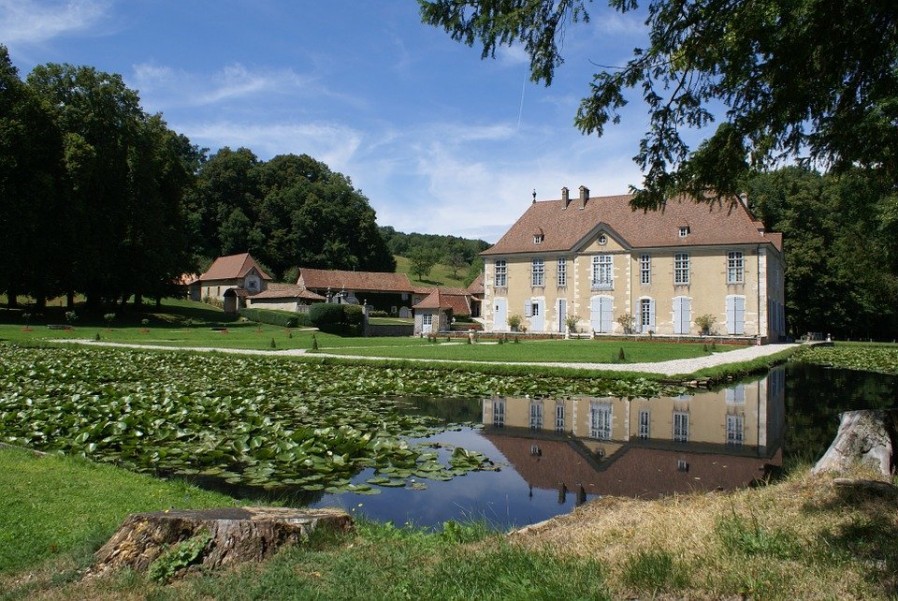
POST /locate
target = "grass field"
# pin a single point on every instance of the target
(800, 538)
(440, 275)
(183, 323)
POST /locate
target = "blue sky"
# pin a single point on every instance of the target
(437, 139)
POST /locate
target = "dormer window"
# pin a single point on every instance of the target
(538, 238)
(684, 231)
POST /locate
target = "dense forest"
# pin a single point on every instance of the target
(101, 199)
(841, 243)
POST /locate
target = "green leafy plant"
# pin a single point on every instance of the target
(571, 322)
(179, 557)
(705, 323)
(71, 316)
(655, 570)
(627, 322)
(515, 321)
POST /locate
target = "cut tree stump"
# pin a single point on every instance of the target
(235, 534)
(866, 437)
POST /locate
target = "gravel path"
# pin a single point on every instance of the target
(667, 368)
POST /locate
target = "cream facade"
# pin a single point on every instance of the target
(663, 270)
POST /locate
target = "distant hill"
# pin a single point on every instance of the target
(456, 260)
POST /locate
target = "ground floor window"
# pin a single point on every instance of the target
(499, 413)
(681, 426)
(600, 421)
(644, 424)
(536, 416)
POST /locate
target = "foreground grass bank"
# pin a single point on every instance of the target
(801, 538)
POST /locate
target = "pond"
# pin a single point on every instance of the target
(550, 455)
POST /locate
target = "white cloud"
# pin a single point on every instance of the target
(27, 21)
(163, 88)
(512, 55)
(334, 145)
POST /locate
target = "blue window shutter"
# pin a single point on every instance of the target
(652, 314)
(605, 303)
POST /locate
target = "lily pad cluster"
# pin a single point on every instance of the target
(882, 359)
(257, 421)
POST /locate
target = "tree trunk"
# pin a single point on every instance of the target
(864, 438)
(232, 534)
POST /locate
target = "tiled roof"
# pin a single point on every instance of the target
(565, 229)
(455, 299)
(232, 267)
(634, 471)
(476, 287)
(288, 291)
(358, 281)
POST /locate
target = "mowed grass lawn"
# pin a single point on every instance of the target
(183, 323)
(528, 351)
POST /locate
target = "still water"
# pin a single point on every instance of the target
(551, 455)
(555, 454)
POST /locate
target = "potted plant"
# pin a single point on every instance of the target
(514, 322)
(627, 322)
(705, 323)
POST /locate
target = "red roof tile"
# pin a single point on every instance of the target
(565, 229)
(447, 298)
(232, 267)
(364, 281)
(288, 291)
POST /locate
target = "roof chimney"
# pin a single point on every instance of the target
(534, 196)
(584, 196)
(565, 196)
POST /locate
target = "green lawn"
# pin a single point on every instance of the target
(53, 505)
(528, 351)
(183, 323)
(440, 275)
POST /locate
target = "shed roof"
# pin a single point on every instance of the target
(366, 281)
(232, 267)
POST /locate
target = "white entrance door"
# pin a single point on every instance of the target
(538, 315)
(427, 323)
(682, 314)
(562, 314)
(600, 313)
(735, 314)
(500, 314)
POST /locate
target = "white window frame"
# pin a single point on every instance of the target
(735, 430)
(680, 426)
(681, 269)
(500, 275)
(538, 273)
(600, 416)
(735, 267)
(499, 413)
(645, 269)
(645, 424)
(427, 319)
(559, 417)
(561, 273)
(684, 231)
(603, 272)
(536, 415)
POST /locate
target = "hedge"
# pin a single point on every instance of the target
(281, 319)
(326, 314)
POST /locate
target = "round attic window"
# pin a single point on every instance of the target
(603, 239)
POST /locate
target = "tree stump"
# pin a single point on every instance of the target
(231, 535)
(865, 437)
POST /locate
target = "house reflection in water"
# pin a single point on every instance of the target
(642, 447)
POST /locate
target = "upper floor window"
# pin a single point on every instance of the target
(735, 268)
(681, 426)
(644, 424)
(681, 268)
(538, 238)
(602, 272)
(645, 269)
(501, 275)
(561, 273)
(684, 231)
(499, 413)
(538, 273)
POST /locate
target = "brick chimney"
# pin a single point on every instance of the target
(565, 196)
(584, 196)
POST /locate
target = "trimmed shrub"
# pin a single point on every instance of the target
(354, 315)
(275, 318)
(322, 315)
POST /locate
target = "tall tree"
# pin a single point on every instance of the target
(811, 78)
(32, 199)
(841, 274)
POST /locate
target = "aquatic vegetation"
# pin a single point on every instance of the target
(257, 421)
